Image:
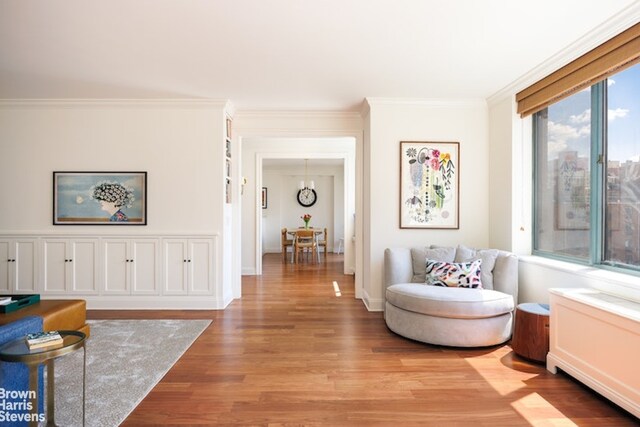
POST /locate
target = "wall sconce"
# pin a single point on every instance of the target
(242, 184)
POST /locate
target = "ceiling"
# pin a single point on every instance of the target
(282, 54)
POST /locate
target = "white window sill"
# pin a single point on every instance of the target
(610, 282)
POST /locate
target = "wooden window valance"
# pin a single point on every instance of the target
(612, 56)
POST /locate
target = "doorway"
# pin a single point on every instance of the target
(282, 159)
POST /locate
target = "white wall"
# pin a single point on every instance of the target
(284, 211)
(390, 122)
(177, 144)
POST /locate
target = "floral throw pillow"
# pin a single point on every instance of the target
(461, 275)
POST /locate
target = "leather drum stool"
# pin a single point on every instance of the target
(57, 315)
(531, 333)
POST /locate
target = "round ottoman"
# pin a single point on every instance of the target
(457, 317)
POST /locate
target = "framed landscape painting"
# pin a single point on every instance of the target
(429, 184)
(99, 198)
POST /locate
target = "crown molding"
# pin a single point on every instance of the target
(426, 102)
(335, 114)
(621, 21)
(101, 103)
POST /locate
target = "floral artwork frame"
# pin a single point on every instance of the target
(429, 185)
(99, 198)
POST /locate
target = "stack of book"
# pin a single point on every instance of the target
(43, 339)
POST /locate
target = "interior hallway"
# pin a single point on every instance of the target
(293, 352)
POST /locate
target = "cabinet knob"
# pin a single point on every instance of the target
(189, 260)
(184, 260)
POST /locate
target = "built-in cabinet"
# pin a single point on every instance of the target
(70, 266)
(114, 271)
(187, 267)
(18, 265)
(131, 267)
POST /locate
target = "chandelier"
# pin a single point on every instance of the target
(306, 184)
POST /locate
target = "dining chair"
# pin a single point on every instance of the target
(305, 242)
(324, 242)
(285, 244)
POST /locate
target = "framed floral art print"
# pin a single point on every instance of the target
(99, 198)
(429, 184)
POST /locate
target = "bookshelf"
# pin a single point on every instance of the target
(227, 160)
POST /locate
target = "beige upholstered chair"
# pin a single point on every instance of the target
(450, 316)
(285, 244)
(305, 242)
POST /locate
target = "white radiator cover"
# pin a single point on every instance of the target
(595, 338)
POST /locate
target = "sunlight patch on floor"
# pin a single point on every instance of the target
(538, 412)
(502, 379)
(336, 289)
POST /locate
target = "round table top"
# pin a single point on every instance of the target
(534, 308)
(18, 350)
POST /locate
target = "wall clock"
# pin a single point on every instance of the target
(307, 197)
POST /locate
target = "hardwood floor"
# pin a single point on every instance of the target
(292, 352)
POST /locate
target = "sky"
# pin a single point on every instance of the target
(570, 119)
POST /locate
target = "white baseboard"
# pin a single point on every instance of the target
(249, 271)
(373, 304)
(177, 302)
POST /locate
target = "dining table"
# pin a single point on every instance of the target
(316, 232)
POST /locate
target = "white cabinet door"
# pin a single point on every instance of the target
(144, 267)
(131, 266)
(54, 256)
(200, 266)
(18, 266)
(116, 266)
(70, 266)
(188, 267)
(84, 265)
(6, 283)
(175, 267)
(25, 266)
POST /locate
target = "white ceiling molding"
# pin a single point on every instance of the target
(101, 103)
(435, 102)
(607, 30)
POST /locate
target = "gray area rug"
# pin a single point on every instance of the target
(125, 360)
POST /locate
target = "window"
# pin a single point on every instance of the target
(587, 174)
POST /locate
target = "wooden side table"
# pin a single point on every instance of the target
(531, 335)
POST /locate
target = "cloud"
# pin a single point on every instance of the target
(617, 113)
(558, 136)
(584, 117)
(610, 82)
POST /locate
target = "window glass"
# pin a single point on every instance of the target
(622, 190)
(562, 171)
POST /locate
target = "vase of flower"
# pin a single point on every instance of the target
(306, 218)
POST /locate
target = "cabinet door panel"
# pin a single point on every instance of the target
(116, 267)
(144, 269)
(83, 256)
(200, 267)
(5, 269)
(175, 270)
(55, 267)
(25, 266)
